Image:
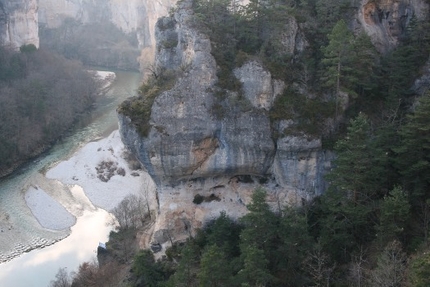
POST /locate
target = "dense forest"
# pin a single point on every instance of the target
(371, 228)
(41, 96)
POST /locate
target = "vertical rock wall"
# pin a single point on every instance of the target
(386, 20)
(19, 23)
(131, 16)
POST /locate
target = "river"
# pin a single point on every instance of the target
(24, 262)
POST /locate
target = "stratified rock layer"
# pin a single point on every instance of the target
(201, 145)
(188, 141)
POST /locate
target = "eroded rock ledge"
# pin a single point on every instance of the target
(191, 150)
(207, 153)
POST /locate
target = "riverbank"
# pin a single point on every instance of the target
(105, 80)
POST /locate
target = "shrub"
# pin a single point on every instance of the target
(198, 199)
(138, 109)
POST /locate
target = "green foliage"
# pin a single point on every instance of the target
(395, 212)
(214, 268)
(224, 233)
(419, 270)
(295, 243)
(359, 166)
(27, 48)
(138, 109)
(413, 154)
(255, 270)
(152, 273)
(198, 199)
(186, 271)
(308, 113)
(336, 55)
(260, 224)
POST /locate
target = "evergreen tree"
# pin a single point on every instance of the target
(255, 271)
(185, 275)
(357, 182)
(224, 232)
(215, 269)
(360, 166)
(329, 12)
(364, 64)
(295, 242)
(260, 225)
(336, 61)
(394, 215)
(413, 154)
(145, 267)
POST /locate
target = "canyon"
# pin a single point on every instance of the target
(189, 151)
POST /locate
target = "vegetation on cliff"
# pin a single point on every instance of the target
(41, 96)
(371, 228)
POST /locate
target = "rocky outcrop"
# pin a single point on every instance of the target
(19, 23)
(258, 86)
(216, 149)
(187, 140)
(386, 20)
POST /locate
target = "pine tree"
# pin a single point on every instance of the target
(295, 242)
(336, 61)
(255, 270)
(260, 224)
(359, 165)
(395, 211)
(413, 154)
(214, 270)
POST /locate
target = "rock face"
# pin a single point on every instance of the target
(19, 23)
(218, 149)
(187, 141)
(132, 16)
(385, 20)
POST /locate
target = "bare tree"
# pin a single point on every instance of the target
(391, 267)
(319, 267)
(132, 212)
(357, 269)
(62, 279)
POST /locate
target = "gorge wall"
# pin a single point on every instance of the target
(135, 18)
(206, 156)
(19, 23)
(192, 152)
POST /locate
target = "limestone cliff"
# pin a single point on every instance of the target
(190, 150)
(206, 152)
(19, 23)
(386, 20)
